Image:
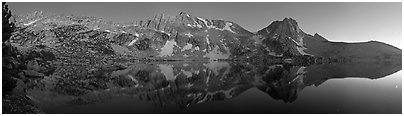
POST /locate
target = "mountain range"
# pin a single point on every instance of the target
(185, 37)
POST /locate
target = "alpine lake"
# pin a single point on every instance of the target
(222, 87)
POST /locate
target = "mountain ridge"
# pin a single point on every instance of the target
(184, 37)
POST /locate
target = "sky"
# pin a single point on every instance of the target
(342, 22)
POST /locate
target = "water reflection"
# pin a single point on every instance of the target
(185, 84)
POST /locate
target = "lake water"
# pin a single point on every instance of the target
(229, 87)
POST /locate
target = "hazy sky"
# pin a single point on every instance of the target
(349, 22)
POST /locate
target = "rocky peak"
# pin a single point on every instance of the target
(319, 37)
(287, 27)
(164, 22)
(285, 37)
(184, 14)
(185, 18)
(291, 24)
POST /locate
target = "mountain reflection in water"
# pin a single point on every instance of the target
(178, 86)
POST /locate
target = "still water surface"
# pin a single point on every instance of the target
(233, 87)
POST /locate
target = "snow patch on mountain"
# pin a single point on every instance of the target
(168, 49)
(133, 41)
(207, 41)
(195, 25)
(301, 51)
(30, 23)
(189, 34)
(199, 25)
(227, 27)
(203, 20)
(187, 47)
(206, 23)
(300, 46)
